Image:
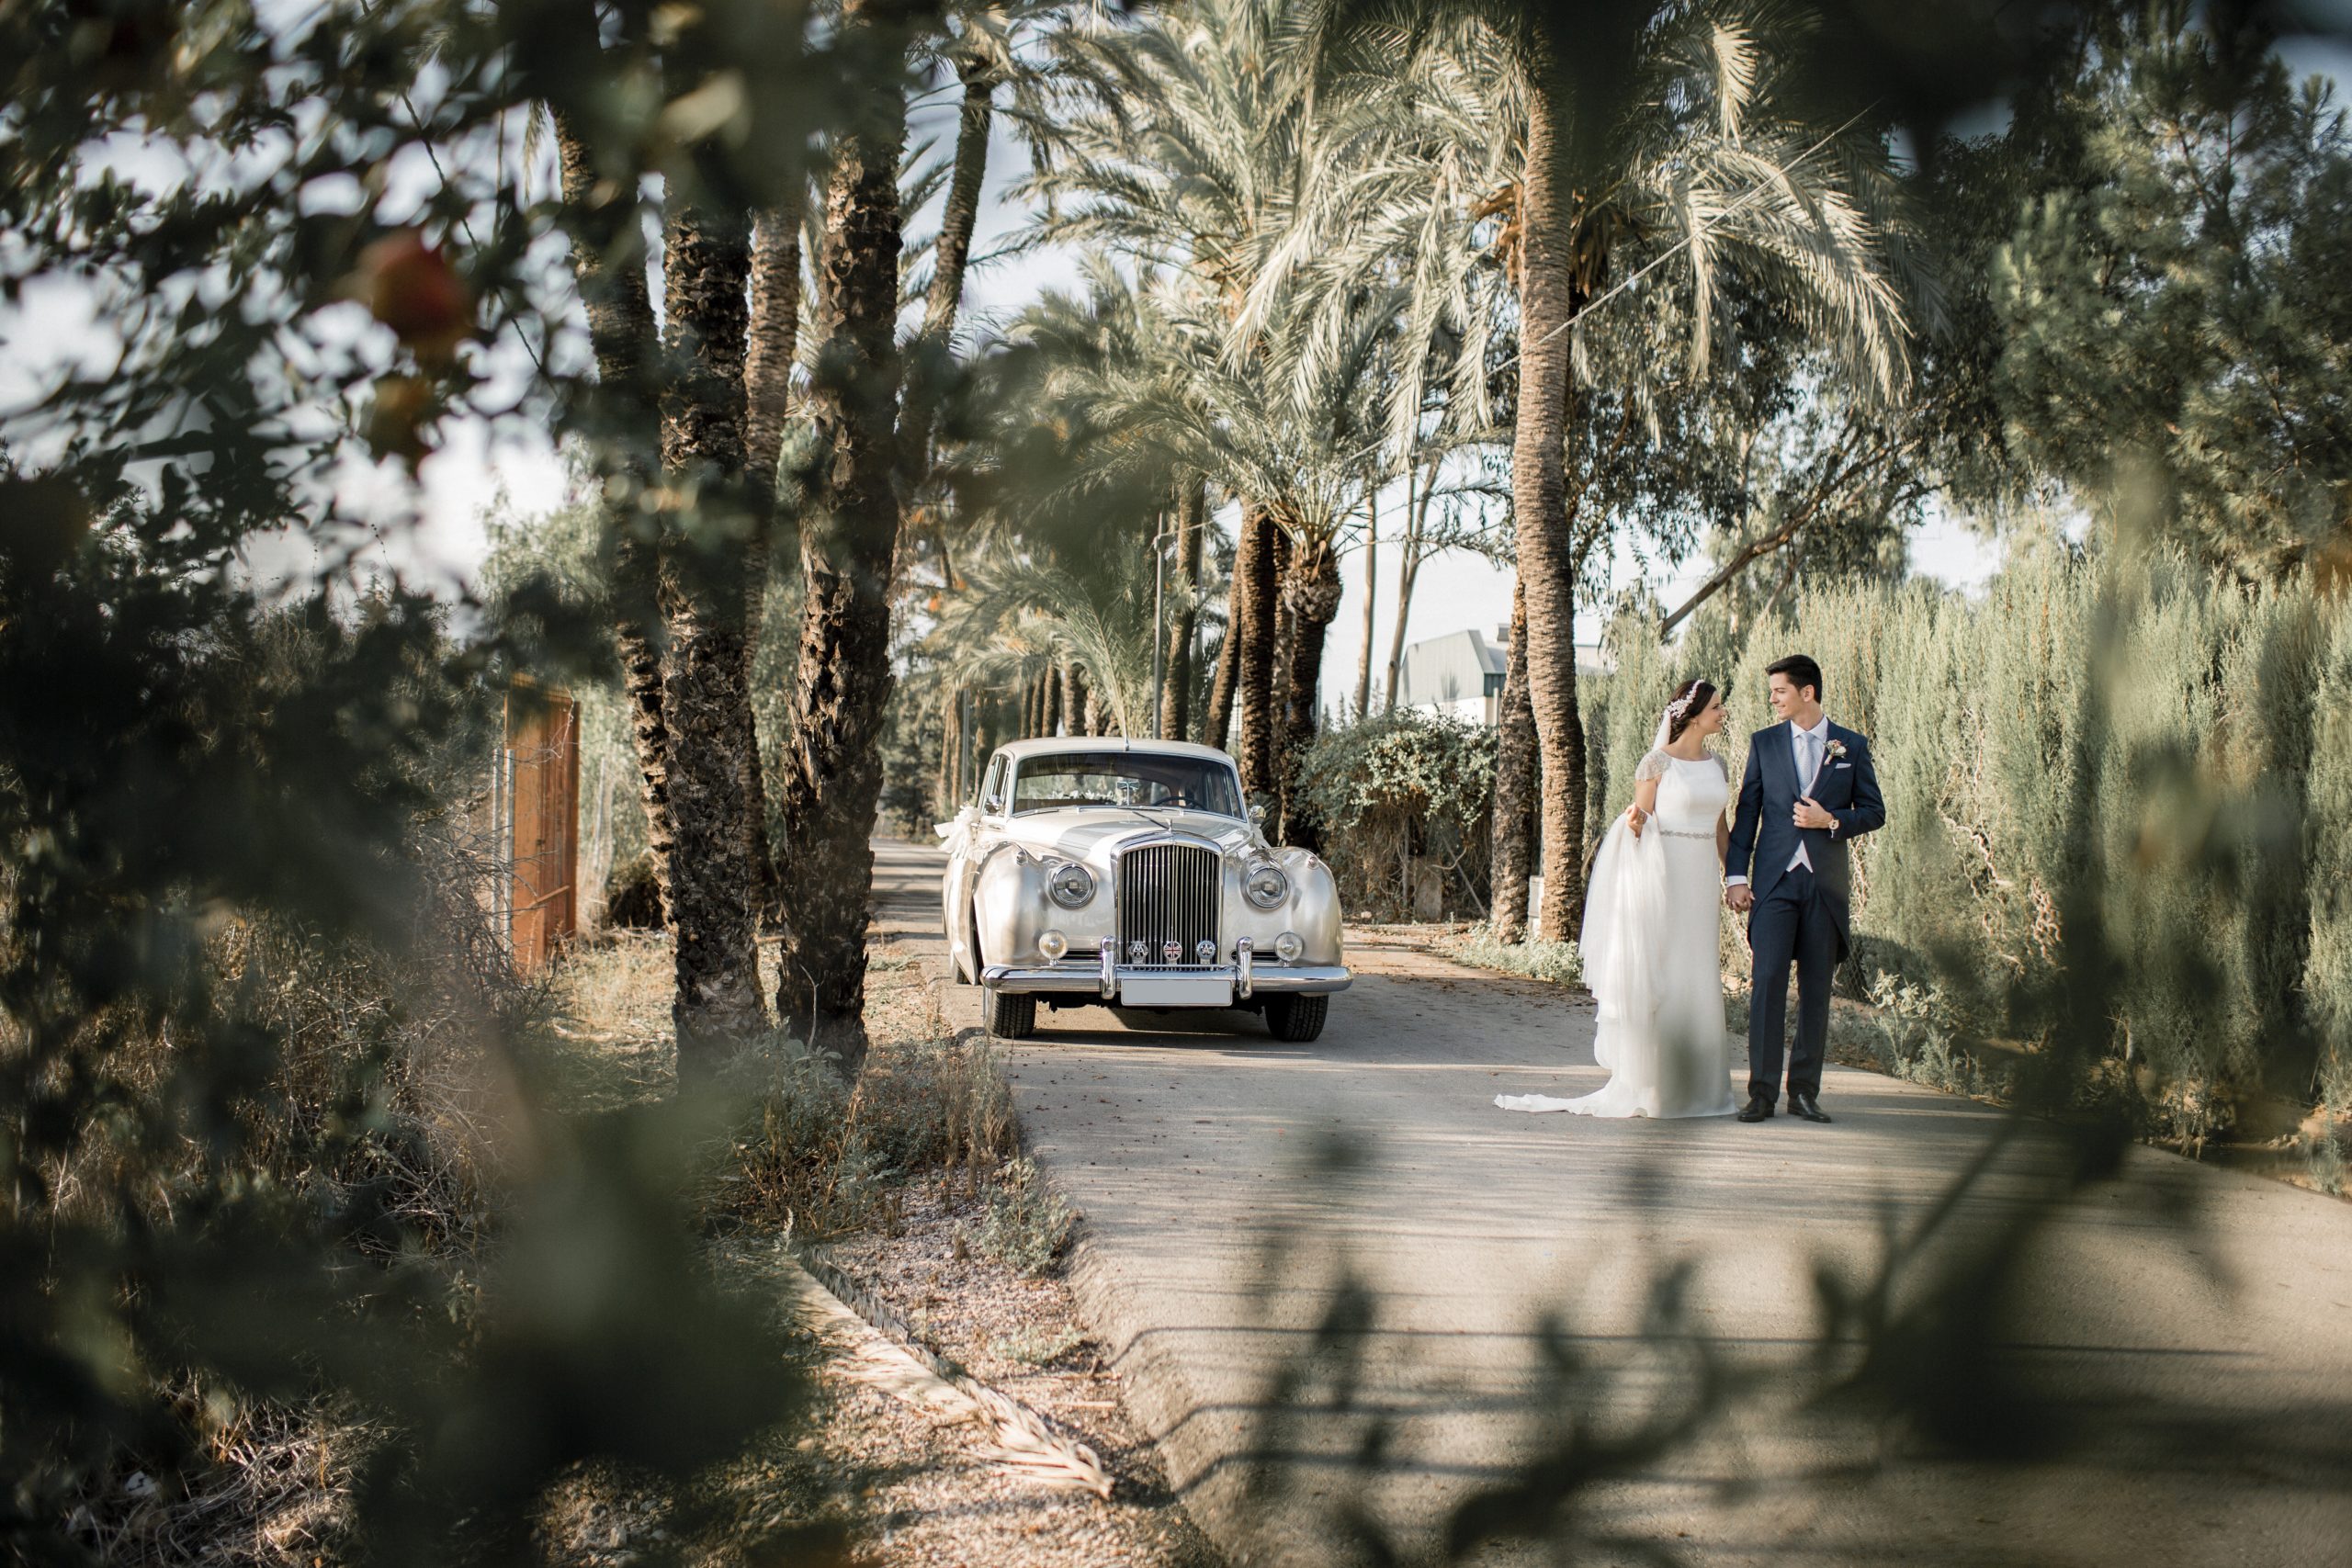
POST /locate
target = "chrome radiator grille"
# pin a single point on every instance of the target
(1168, 893)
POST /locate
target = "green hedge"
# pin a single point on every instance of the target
(1396, 790)
(2165, 753)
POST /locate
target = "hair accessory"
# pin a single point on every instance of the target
(1681, 705)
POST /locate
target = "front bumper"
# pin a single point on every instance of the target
(1098, 974)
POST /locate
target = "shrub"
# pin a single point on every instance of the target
(1396, 788)
(1559, 961)
(1027, 1225)
(819, 1155)
(2328, 966)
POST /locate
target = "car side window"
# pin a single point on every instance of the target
(992, 791)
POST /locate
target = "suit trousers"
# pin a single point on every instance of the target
(1791, 925)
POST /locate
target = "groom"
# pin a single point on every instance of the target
(1808, 793)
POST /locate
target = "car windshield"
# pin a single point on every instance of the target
(1061, 779)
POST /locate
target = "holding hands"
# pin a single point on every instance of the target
(1808, 813)
(1739, 898)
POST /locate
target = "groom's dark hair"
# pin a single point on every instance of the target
(1801, 671)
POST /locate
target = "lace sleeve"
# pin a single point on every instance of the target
(1652, 767)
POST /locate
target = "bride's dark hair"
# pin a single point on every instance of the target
(1694, 696)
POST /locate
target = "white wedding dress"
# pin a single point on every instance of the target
(1651, 958)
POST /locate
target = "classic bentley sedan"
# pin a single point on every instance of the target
(1127, 874)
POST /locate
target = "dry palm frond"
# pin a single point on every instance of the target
(878, 1349)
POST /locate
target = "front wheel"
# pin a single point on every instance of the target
(1296, 1020)
(1013, 1017)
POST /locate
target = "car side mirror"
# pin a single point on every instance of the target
(1258, 808)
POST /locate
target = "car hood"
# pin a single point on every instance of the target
(1090, 835)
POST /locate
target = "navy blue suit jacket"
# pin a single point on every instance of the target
(1763, 837)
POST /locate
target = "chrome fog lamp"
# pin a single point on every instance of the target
(1070, 883)
(1287, 947)
(1265, 886)
(1053, 945)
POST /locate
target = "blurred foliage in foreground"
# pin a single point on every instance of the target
(268, 1132)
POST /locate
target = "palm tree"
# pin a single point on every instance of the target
(1651, 133)
(847, 470)
(1149, 365)
(609, 264)
(1174, 142)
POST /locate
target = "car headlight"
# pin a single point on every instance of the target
(1265, 884)
(1071, 884)
(1288, 946)
(1052, 945)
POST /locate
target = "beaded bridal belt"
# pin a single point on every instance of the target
(1677, 833)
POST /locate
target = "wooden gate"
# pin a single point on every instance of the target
(537, 783)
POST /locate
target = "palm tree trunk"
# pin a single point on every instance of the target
(951, 256)
(1250, 628)
(989, 710)
(767, 394)
(1286, 632)
(1052, 721)
(1515, 784)
(1549, 299)
(950, 763)
(706, 689)
(1416, 516)
(927, 371)
(835, 781)
(1221, 685)
(1371, 592)
(608, 260)
(1311, 593)
(1176, 695)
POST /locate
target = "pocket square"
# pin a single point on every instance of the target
(1845, 764)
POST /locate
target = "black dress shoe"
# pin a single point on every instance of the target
(1758, 1108)
(1805, 1105)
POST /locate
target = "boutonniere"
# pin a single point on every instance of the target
(1835, 751)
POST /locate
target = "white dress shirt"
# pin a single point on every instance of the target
(1809, 748)
(1812, 751)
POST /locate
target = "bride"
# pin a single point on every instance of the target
(1651, 957)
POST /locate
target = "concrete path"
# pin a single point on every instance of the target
(2178, 1350)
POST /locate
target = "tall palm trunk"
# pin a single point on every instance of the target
(1220, 723)
(951, 256)
(767, 394)
(1250, 628)
(1176, 695)
(607, 258)
(1282, 635)
(1311, 592)
(1371, 594)
(1549, 299)
(1515, 784)
(1416, 518)
(1051, 723)
(706, 688)
(951, 733)
(951, 259)
(843, 682)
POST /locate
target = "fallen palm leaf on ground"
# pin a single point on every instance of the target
(878, 1349)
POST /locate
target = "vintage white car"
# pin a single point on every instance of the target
(1127, 874)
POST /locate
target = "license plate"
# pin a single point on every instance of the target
(1176, 991)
